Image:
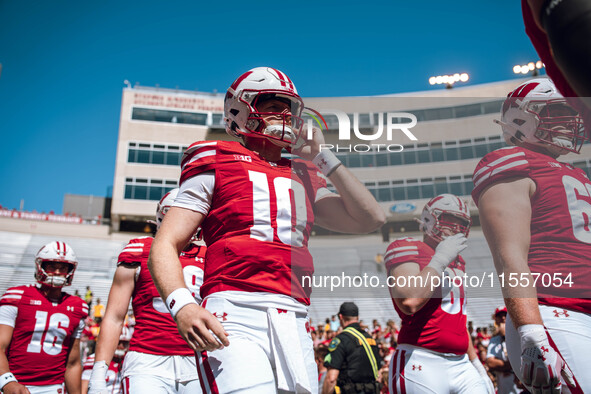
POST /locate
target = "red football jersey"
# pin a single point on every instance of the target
(43, 334)
(155, 331)
(113, 373)
(560, 223)
(260, 219)
(440, 325)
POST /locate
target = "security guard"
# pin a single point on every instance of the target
(353, 360)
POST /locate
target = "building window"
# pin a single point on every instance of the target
(155, 154)
(159, 115)
(147, 189)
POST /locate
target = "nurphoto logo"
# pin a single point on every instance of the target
(394, 121)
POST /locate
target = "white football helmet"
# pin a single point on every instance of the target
(431, 222)
(536, 113)
(162, 208)
(253, 88)
(164, 205)
(124, 339)
(59, 252)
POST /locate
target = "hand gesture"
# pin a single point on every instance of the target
(447, 251)
(310, 147)
(200, 329)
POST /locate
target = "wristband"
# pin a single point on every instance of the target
(99, 370)
(7, 378)
(178, 299)
(327, 162)
(437, 264)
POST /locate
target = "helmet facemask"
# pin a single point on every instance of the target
(559, 125)
(52, 279)
(282, 124)
(438, 230)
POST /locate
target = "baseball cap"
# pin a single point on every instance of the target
(349, 309)
(501, 309)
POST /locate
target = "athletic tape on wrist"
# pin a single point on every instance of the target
(7, 378)
(327, 162)
(178, 299)
(99, 370)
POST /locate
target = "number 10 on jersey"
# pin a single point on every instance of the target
(289, 199)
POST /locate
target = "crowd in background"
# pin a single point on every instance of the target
(386, 336)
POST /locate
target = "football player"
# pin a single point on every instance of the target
(40, 328)
(113, 377)
(256, 210)
(535, 214)
(435, 352)
(159, 360)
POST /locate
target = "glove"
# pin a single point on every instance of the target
(447, 251)
(541, 365)
(98, 378)
(490, 387)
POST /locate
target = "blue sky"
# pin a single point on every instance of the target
(64, 63)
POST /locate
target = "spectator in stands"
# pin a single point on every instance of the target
(328, 337)
(98, 312)
(315, 339)
(88, 296)
(377, 328)
(485, 337)
(320, 354)
(496, 357)
(379, 259)
(363, 326)
(391, 330)
(334, 323)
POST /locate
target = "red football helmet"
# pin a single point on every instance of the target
(249, 92)
(55, 251)
(536, 113)
(431, 222)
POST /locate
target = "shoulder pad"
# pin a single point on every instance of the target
(136, 251)
(402, 250)
(510, 162)
(12, 296)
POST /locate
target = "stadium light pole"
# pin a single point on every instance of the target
(449, 80)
